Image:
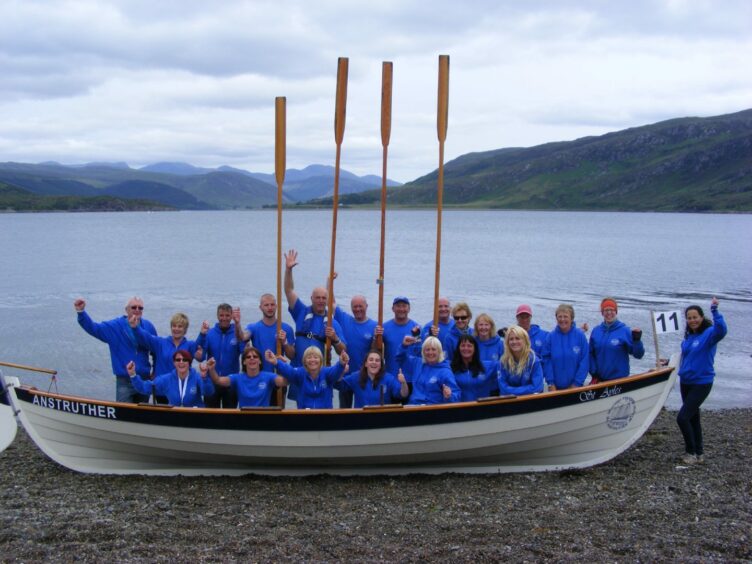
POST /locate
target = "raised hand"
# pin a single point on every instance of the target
(131, 368)
(270, 357)
(204, 327)
(80, 305)
(446, 391)
(236, 315)
(291, 259)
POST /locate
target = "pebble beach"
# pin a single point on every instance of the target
(642, 506)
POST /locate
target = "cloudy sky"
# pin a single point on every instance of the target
(190, 80)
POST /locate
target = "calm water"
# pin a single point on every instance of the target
(494, 260)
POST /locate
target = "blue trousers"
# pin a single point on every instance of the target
(125, 392)
(688, 418)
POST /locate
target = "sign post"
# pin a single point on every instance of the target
(663, 322)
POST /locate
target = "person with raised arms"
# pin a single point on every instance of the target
(314, 380)
(164, 348)
(475, 378)
(696, 374)
(611, 343)
(430, 375)
(223, 343)
(395, 330)
(372, 384)
(183, 386)
(253, 387)
(123, 345)
(565, 352)
(490, 345)
(520, 369)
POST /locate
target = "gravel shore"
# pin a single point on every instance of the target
(642, 506)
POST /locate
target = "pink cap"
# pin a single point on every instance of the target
(524, 308)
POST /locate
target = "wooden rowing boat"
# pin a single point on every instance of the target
(559, 430)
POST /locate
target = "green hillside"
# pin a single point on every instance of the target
(16, 199)
(688, 164)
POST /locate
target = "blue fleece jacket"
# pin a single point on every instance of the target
(358, 336)
(490, 349)
(537, 339)
(122, 342)
(224, 347)
(698, 352)
(450, 341)
(163, 348)
(168, 385)
(312, 394)
(565, 358)
(428, 379)
(610, 347)
(367, 395)
(479, 386)
(529, 381)
(394, 333)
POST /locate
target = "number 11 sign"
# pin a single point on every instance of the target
(664, 322)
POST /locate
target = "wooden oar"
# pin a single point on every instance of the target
(280, 133)
(31, 368)
(339, 133)
(280, 151)
(386, 131)
(441, 124)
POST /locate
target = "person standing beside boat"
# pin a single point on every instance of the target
(183, 386)
(611, 343)
(253, 387)
(430, 375)
(314, 380)
(359, 332)
(372, 384)
(224, 343)
(124, 348)
(475, 378)
(565, 352)
(395, 330)
(696, 374)
(490, 345)
(462, 316)
(520, 369)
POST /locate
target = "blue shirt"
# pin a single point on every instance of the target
(163, 348)
(698, 352)
(479, 386)
(490, 349)
(168, 385)
(610, 347)
(224, 347)
(566, 359)
(428, 380)
(529, 381)
(368, 395)
(394, 333)
(312, 394)
(359, 337)
(264, 337)
(310, 330)
(253, 391)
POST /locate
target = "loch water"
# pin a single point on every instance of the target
(493, 260)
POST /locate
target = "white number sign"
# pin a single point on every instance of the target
(666, 321)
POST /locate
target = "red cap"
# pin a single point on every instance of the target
(524, 308)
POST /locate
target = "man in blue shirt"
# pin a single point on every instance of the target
(124, 347)
(359, 332)
(223, 343)
(395, 330)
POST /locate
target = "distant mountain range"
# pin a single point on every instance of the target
(180, 185)
(686, 164)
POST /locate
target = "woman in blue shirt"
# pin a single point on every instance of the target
(696, 373)
(183, 386)
(520, 371)
(372, 385)
(475, 378)
(253, 387)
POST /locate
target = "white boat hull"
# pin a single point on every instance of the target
(553, 431)
(8, 426)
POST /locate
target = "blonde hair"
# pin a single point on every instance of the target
(507, 359)
(179, 319)
(432, 341)
(459, 307)
(312, 351)
(488, 319)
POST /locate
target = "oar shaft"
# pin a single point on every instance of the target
(280, 158)
(386, 132)
(30, 368)
(339, 133)
(441, 127)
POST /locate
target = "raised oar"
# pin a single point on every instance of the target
(441, 125)
(386, 131)
(280, 151)
(339, 133)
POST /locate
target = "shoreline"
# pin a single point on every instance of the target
(642, 505)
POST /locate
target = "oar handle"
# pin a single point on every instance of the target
(30, 368)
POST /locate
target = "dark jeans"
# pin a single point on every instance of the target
(125, 392)
(345, 399)
(225, 398)
(688, 418)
